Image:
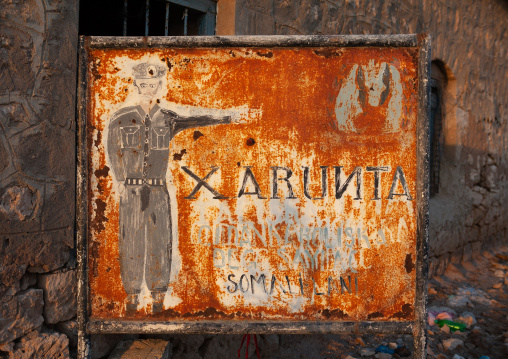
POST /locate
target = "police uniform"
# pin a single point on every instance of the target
(138, 150)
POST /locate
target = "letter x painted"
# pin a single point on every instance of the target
(202, 183)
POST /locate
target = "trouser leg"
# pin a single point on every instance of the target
(131, 242)
(159, 246)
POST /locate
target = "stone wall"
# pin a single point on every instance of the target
(38, 46)
(469, 38)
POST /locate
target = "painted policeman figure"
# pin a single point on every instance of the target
(138, 151)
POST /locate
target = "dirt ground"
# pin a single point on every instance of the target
(479, 287)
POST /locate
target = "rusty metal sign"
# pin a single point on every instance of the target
(253, 184)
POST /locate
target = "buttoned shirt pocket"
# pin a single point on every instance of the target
(160, 138)
(131, 136)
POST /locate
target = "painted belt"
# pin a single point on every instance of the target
(149, 181)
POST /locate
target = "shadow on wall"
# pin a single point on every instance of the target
(467, 216)
(466, 186)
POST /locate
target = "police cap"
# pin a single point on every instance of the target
(148, 70)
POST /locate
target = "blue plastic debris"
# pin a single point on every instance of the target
(384, 349)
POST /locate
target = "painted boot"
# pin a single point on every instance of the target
(157, 301)
(131, 305)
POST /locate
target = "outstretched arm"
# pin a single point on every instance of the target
(181, 123)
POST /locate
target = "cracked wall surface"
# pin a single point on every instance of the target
(470, 38)
(38, 46)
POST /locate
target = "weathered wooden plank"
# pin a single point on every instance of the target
(142, 349)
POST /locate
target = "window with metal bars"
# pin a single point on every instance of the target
(437, 86)
(147, 17)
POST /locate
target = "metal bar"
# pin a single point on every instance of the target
(185, 15)
(256, 41)
(207, 25)
(125, 17)
(422, 204)
(81, 204)
(166, 25)
(200, 5)
(147, 16)
(242, 327)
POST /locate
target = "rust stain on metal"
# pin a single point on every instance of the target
(179, 156)
(298, 201)
(329, 52)
(196, 135)
(409, 264)
(102, 172)
(268, 54)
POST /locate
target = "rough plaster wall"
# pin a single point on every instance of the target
(469, 212)
(470, 37)
(38, 45)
